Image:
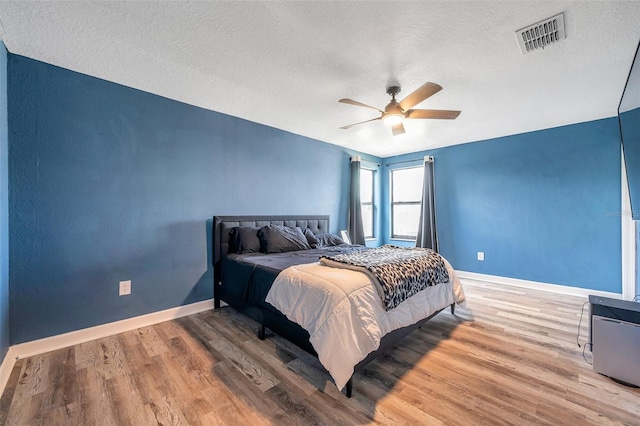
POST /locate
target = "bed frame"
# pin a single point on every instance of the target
(277, 322)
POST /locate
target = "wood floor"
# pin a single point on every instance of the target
(509, 357)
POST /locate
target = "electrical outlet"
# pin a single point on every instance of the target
(481, 256)
(125, 288)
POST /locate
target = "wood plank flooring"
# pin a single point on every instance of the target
(509, 358)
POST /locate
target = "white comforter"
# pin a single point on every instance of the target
(344, 314)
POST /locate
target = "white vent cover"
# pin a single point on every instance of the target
(540, 35)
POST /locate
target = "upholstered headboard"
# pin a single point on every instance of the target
(222, 225)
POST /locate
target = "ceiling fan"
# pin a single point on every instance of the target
(396, 112)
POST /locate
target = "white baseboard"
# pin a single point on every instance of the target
(6, 368)
(534, 285)
(48, 344)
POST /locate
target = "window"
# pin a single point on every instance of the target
(406, 195)
(366, 200)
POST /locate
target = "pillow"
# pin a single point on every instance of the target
(311, 237)
(244, 240)
(281, 239)
(328, 240)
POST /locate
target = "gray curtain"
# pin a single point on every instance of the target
(427, 236)
(355, 226)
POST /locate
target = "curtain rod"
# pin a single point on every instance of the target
(427, 158)
(358, 158)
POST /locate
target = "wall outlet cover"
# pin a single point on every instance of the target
(481, 255)
(124, 288)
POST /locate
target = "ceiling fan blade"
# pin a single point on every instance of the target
(356, 103)
(362, 122)
(433, 113)
(419, 95)
(397, 129)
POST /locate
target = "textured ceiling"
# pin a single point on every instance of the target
(286, 64)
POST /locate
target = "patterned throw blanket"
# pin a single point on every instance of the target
(397, 272)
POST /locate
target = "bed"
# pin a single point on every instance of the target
(246, 280)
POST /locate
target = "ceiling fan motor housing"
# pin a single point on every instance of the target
(393, 108)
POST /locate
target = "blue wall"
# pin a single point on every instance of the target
(630, 128)
(543, 206)
(4, 208)
(109, 183)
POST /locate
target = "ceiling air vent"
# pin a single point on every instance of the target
(540, 35)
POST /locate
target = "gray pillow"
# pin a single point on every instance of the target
(281, 239)
(311, 237)
(244, 240)
(328, 240)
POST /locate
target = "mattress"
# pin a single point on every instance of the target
(248, 277)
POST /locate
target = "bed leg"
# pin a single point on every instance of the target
(350, 387)
(453, 309)
(216, 293)
(261, 332)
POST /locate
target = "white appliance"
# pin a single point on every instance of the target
(616, 349)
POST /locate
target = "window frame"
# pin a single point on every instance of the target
(371, 203)
(401, 203)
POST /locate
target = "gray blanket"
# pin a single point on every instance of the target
(397, 272)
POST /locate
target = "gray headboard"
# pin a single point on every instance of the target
(223, 224)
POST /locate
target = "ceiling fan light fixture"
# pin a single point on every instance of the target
(393, 119)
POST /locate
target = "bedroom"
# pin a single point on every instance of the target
(123, 188)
